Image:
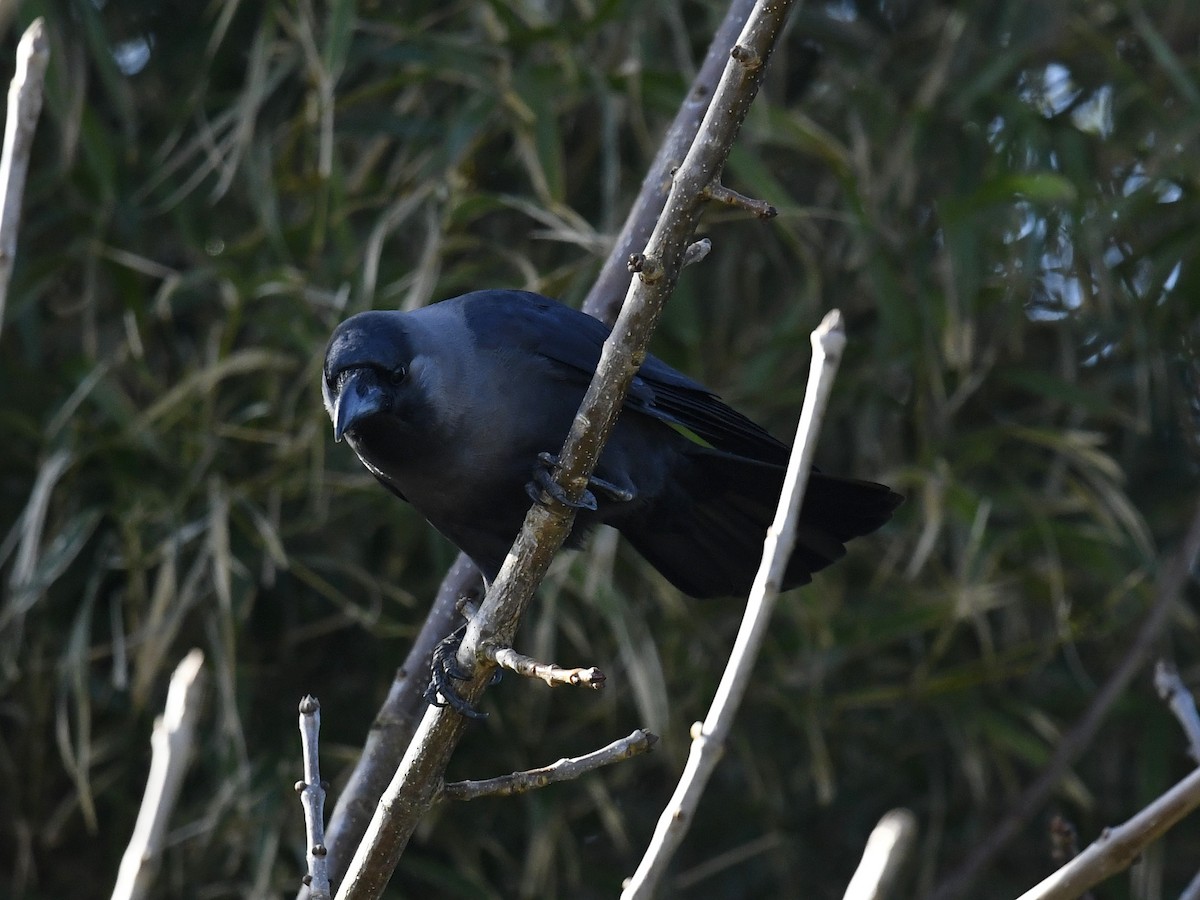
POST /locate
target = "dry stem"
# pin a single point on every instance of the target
(312, 798)
(709, 743)
(1118, 848)
(24, 107)
(171, 749)
(885, 854)
(566, 769)
(1172, 577)
(551, 673)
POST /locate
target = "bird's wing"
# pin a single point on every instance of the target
(572, 341)
(678, 400)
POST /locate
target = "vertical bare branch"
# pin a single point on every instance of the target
(24, 107)
(394, 724)
(708, 741)
(171, 745)
(885, 854)
(312, 798)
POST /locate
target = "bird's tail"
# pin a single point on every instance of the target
(706, 533)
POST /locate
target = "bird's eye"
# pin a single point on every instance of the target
(398, 374)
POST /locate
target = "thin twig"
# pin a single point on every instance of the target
(712, 866)
(1183, 704)
(567, 769)
(1172, 577)
(24, 107)
(721, 194)
(708, 743)
(1118, 848)
(1172, 689)
(171, 750)
(884, 856)
(24, 589)
(551, 673)
(394, 724)
(416, 782)
(312, 799)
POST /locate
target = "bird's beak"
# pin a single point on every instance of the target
(358, 398)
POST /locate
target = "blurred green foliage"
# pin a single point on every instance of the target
(1002, 198)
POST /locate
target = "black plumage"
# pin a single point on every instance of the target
(450, 406)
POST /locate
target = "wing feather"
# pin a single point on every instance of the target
(572, 341)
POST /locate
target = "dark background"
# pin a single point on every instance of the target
(1000, 196)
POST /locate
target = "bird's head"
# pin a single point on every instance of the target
(368, 372)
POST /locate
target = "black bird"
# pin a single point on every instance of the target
(457, 407)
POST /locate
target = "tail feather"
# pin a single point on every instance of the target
(705, 532)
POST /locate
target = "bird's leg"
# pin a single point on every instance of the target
(444, 670)
(543, 480)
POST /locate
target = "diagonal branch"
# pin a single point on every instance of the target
(547, 526)
(883, 859)
(1172, 579)
(640, 741)
(1118, 848)
(397, 718)
(418, 779)
(1171, 688)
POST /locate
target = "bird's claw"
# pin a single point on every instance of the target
(543, 480)
(444, 669)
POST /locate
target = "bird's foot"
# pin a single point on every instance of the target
(543, 480)
(444, 671)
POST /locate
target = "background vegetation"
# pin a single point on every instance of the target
(1003, 199)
